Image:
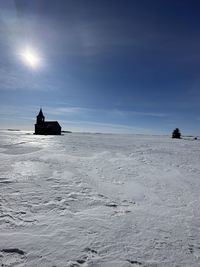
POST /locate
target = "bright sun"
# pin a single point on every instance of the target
(31, 58)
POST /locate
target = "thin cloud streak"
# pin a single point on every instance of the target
(81, 111)
(15, 79)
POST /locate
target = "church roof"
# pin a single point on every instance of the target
(40, 114)
(51, 123)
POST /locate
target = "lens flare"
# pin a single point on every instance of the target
(31, 58)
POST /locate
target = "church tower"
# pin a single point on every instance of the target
(43, 127)
(40, 118)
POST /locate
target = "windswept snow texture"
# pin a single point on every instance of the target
(96, 200)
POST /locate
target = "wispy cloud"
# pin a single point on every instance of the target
(65, 110)
(137, 113)
(15, 79)
(62, 111)
(17, 111)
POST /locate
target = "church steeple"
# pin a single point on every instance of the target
(40, 117)
(46, 127)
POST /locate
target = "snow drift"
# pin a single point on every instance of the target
(99, 200)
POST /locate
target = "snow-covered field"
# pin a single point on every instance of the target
(99, 200)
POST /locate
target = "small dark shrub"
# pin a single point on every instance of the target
(176, 133)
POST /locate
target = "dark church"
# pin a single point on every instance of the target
(46, 127)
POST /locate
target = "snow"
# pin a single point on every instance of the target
(84, 200)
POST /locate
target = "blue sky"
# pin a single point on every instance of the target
(106, 66)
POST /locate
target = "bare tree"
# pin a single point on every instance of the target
(176, 133)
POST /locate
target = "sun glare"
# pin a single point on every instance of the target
(31, 58)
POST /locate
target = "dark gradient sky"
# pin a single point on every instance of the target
(124, 66)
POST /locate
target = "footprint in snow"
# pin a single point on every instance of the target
(12, 257)
(90, 254)
(134, 263)
(111, 204)
(4, 180)
(195, 250)
(119, 210)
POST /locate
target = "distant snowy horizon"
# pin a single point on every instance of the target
(66, 132)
